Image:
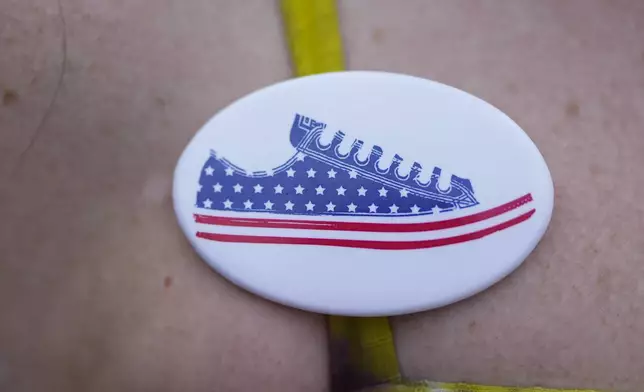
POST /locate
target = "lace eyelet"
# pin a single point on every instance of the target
(320, 145)
(339, 155)
(380, 171)
(402, 178)
(359, 162)
(423, 184)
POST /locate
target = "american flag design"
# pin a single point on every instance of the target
(337, 191)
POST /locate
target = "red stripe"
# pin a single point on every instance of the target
(359, 226)
(385, 245)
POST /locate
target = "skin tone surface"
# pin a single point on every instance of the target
(99, 290)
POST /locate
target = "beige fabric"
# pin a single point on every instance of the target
(99, 290)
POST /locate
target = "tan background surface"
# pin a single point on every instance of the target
(99, 291)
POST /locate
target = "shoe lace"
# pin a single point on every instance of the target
(383, 161)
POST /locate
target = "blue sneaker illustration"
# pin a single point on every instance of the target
(321, 179)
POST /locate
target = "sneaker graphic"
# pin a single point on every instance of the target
(322, 180)
(345, 179)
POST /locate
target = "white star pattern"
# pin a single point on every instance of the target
(270, 173)
(227, 195)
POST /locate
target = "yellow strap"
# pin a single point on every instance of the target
(369, 350)
(313, 33)
(365, 344)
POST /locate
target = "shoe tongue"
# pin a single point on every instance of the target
(303, 127)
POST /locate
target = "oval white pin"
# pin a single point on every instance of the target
(362, 193)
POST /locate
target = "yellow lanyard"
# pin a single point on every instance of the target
(365, 345)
